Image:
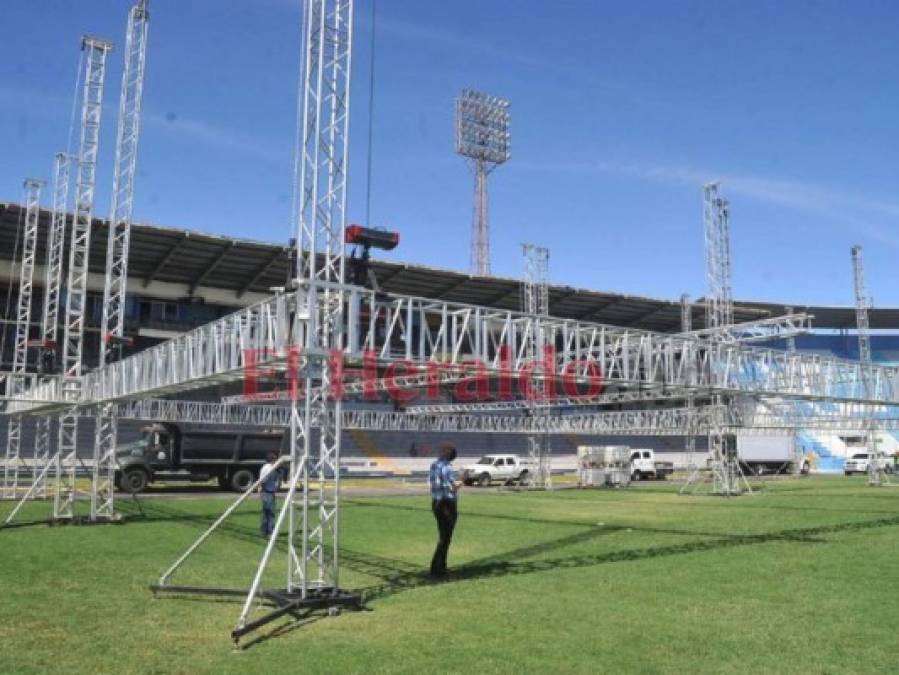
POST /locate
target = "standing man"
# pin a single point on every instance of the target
(271, 481)
(444, 497)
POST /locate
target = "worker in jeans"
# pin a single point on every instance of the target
(444, 498)
(270, 478)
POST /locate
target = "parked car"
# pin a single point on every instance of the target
(858, 463)
(491, 468)
(644, 466)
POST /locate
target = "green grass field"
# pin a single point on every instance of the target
(801, 578)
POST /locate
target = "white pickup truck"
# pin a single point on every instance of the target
(645, 466)
(858, 463)
(491, 468)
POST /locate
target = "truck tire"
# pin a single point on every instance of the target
(484, 479)
(524, 477)
(805, 469)
(134, 481)
(636, 476)
(242, 479)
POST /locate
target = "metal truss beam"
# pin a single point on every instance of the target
(660, 421)
(774, 328)
(438, 335)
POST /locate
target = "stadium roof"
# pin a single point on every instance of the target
(195, 259)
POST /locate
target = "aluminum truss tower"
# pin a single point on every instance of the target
(56, 243)
(73, 341)
(312, 504)
(482, 135)
(862, 303)
(686, 326)
(727, 477)
(23, 328)
(876, 473)
(535, 301)
(719, 301)
(115, 283)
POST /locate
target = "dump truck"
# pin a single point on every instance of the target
(166, 452)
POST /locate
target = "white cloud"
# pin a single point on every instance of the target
(866, 214)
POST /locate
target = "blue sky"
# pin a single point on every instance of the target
(620, 111)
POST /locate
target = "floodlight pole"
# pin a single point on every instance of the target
(482, 136)
(480, 222)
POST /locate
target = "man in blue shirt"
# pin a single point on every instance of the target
(444, 497)
(271, 481)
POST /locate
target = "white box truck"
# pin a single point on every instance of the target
(770, 454)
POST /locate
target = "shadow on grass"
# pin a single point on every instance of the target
(396, 575)
(512, 563)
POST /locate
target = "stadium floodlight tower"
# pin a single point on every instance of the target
(535, 301)
(482, 135)
(876, 471)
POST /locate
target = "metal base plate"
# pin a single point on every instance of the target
(283, 601)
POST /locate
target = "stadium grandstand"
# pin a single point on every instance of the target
(180, 279)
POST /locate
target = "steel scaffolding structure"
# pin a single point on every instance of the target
(322, 334)
(56, 242)
(876, 473)
(465, 340)
(70, 385)
(117, 247)
(727, 477)
(640, 422)
(535, 301)
(482, 136)
(32, 187)
(313, 326)
(686, 326)
(719, 301)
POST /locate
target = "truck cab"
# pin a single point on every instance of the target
(137, 462)
(645, 466)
